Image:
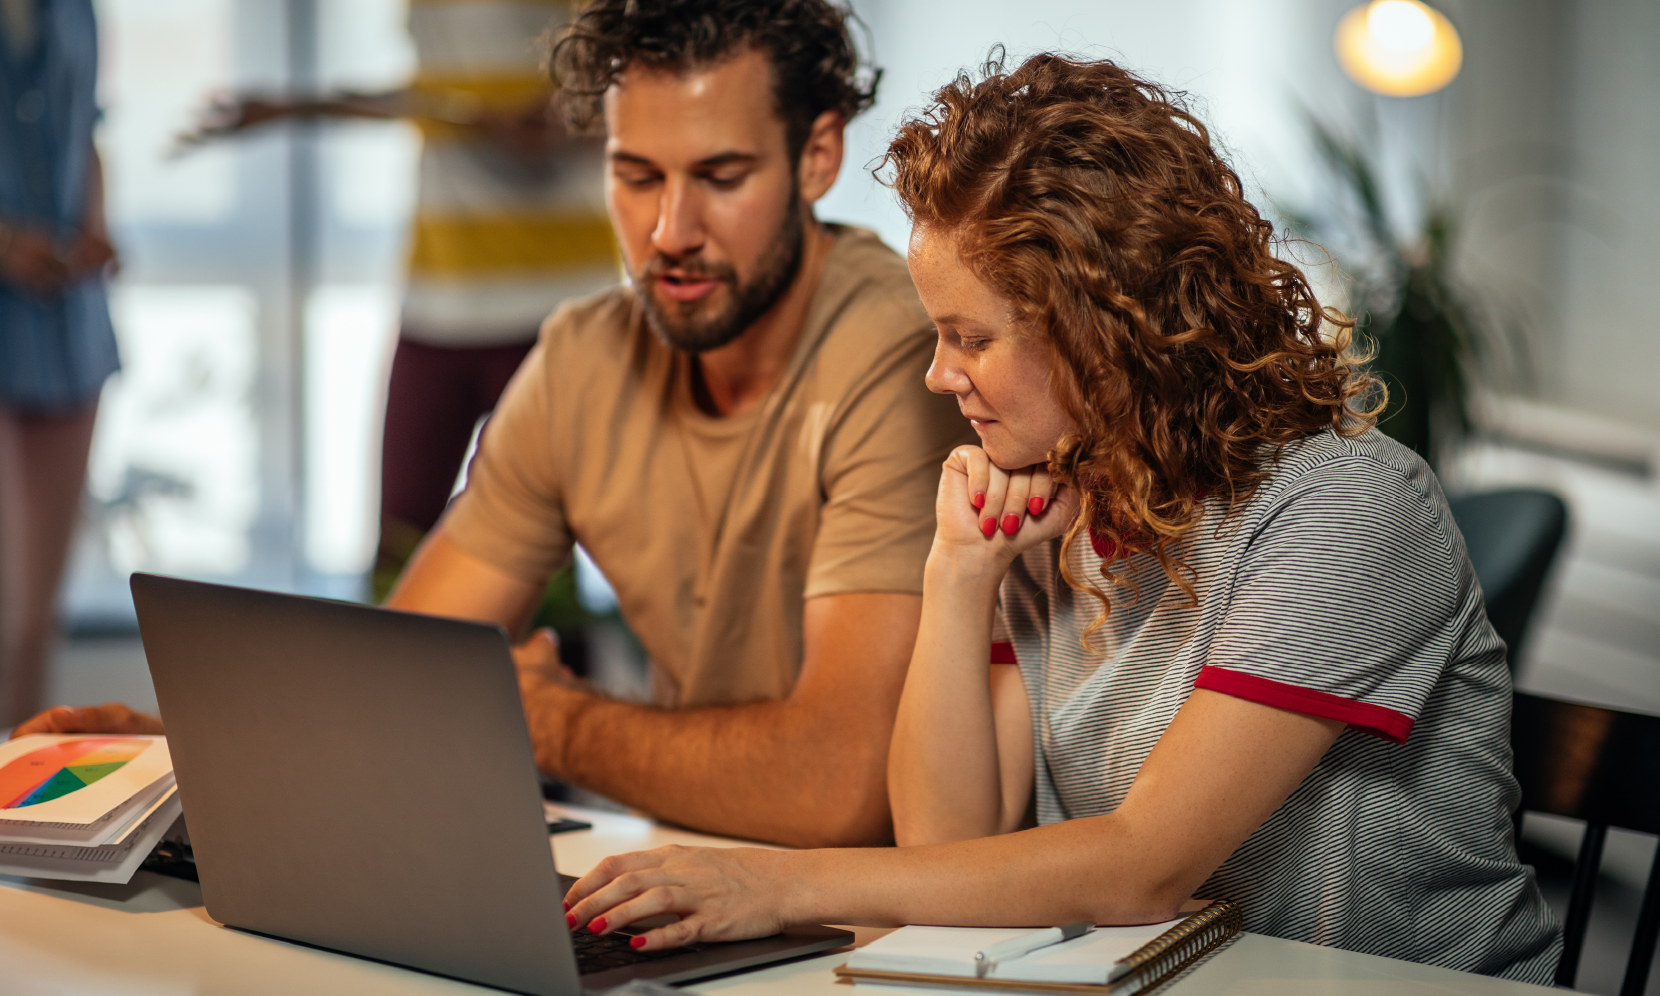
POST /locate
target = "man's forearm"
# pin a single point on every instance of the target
(769, 771)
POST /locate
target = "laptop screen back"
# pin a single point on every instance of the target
(330, 796)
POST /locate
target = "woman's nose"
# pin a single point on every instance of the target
(945, 376)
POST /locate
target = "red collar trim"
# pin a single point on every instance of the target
(1104, 547)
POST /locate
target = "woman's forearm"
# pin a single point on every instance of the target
(943, 766)
(1078, 870)
(1222, 768)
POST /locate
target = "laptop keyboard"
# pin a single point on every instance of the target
(599, 953)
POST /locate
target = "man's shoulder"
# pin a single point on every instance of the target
(607, 314)
(866, 296)
(587, 334)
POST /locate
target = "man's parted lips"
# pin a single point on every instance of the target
(682, 286)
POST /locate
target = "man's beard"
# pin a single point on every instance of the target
(679, 324)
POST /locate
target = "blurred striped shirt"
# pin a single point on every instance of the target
(496, 244)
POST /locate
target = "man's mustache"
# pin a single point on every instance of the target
(691, 266)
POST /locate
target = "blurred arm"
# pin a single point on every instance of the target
(92, 251)
(442, 579)
(229, 115)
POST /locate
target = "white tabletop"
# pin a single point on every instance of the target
(153, 938)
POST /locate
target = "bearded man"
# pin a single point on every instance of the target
(741, 438)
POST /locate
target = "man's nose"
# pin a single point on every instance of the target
(679, 230)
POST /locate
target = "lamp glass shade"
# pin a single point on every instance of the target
(1398, 48)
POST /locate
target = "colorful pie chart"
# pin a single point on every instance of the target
(56, 771)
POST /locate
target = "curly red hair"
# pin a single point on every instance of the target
(1185, 349)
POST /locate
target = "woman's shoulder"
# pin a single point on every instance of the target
(1366, 466)
(1333, 493)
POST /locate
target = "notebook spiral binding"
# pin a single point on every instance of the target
(1182, 945)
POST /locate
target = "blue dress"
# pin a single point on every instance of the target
(55, 354)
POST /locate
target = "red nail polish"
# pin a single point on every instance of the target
(1011, 522)
(597, 925)
(988, 526)
(636, 942)
(570, 920)
(1035, 506)
(979, 499)
(567, 907)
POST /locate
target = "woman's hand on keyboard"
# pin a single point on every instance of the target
(719, 893)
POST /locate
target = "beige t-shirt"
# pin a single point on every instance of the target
(830, 488)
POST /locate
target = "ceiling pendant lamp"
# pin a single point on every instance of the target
(1398, 48)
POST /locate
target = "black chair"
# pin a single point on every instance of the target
(1601, 766)
(1512, 537)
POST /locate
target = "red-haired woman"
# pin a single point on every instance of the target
(1191, 626)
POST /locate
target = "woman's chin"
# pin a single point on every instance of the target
(1011, 458)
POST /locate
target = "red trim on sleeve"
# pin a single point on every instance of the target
(1002, 652)
(1386, 724)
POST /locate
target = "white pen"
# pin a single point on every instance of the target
(1015, 947)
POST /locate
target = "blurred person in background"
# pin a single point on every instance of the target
(509, 221)
(56, 344)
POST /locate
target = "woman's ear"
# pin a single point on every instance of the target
(821, 156)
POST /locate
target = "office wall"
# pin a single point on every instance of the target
(1556, 133)
(1610, 345)
(1548, 140)
(1248, 64)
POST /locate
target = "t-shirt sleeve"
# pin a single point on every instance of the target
(1346, 603)
(1002, 646)
(510, 514)
(881, 472)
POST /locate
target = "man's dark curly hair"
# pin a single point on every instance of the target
(814, 63)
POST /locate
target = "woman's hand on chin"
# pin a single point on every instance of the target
(987, 516)
(720, 894)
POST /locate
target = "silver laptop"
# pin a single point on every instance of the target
(362, 780)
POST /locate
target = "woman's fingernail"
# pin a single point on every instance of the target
(596, 925)
(567, 907)
(1035, 506)
(570, 919)
(1011, 522)
(636, 942)
(979, 499)
(988, 526)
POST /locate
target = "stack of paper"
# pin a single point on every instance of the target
(88, 808)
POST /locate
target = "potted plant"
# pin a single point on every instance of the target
(1403, 295)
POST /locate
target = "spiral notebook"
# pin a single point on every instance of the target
(1107, 961)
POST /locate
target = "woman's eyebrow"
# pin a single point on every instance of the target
(963, 321)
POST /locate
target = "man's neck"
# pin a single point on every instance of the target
(736, 377)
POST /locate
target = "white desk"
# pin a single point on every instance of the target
(153, 938)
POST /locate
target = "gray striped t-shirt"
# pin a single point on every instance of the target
(1342, 590)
